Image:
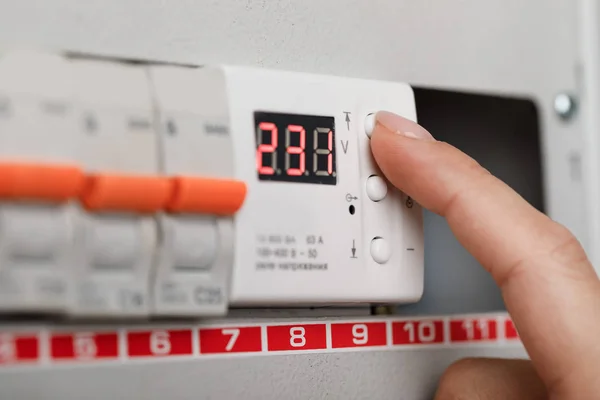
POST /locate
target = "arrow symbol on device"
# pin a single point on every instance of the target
(347, 118)
(353, 249)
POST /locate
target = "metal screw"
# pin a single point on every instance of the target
(564, 106)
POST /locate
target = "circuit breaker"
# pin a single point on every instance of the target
(39, 180)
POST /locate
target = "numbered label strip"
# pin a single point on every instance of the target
(60, 346)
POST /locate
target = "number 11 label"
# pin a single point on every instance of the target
(473, 330)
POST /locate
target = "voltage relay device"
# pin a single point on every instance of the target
(141, 189)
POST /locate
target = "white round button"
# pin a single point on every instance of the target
(380, 250)
(376, 188)
(369, 124)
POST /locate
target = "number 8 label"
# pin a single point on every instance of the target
(296, 337)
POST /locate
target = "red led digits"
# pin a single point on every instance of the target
(295, 150)
(330, 155)
(319, 152)
(265, 148)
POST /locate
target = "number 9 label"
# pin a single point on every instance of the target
(369, 334)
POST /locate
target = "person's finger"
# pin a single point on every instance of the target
(491, 379)
(549, 286)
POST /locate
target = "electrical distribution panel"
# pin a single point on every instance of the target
(136, 190)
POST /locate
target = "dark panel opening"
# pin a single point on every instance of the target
(503, 135)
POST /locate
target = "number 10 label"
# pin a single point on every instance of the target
(418, 332)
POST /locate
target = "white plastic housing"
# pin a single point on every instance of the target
(115, 249)
(195, 257)
(38, 125)
(332, 261)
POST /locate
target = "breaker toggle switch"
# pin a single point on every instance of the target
(40, 178)
(206, 196)
(39, 182)
(127, 193)
(196, 254)
(123, 190)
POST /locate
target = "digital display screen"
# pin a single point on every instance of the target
(295, 148)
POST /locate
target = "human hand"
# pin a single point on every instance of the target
(548, 284)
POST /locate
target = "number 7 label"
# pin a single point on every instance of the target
(230, 340)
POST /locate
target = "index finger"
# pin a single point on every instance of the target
(549, 286)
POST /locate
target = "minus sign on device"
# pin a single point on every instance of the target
(410, 249)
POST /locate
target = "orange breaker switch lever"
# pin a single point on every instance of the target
(206, 195)
(134, 193)
(40, 182)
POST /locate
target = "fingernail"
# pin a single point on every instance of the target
(402, 126)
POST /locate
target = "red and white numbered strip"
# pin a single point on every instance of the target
(204, 341)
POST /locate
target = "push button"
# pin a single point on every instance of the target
(370, 124)
(376, 188)
(380, 250)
